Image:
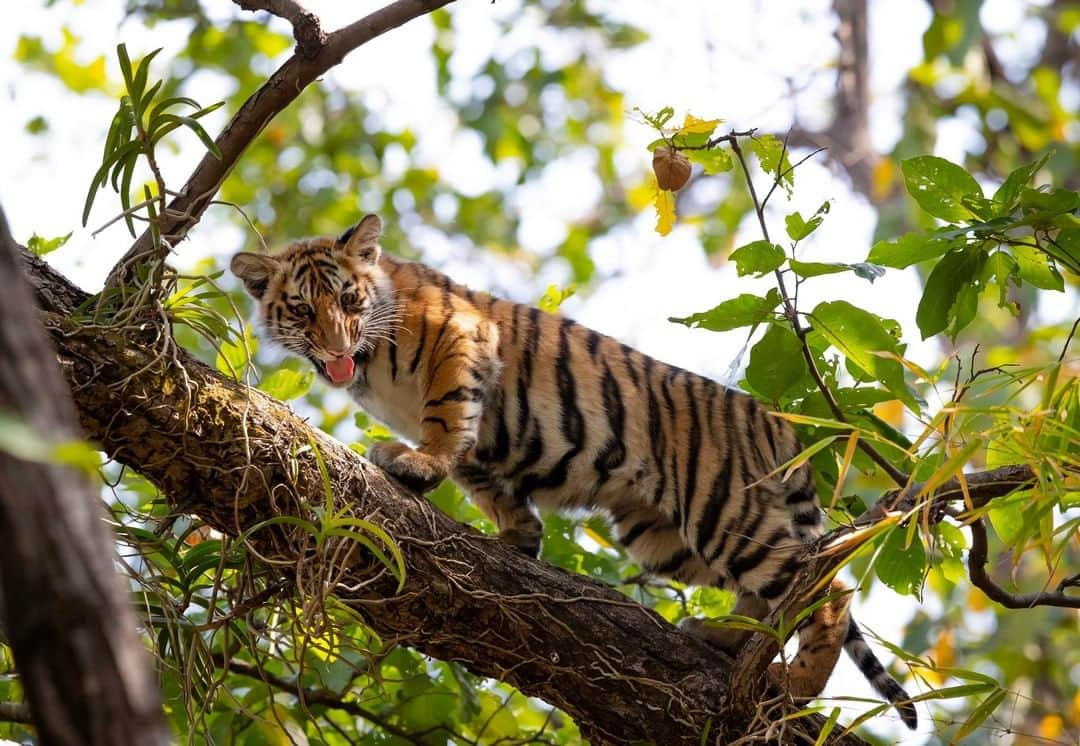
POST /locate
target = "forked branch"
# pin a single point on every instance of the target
(280, 90)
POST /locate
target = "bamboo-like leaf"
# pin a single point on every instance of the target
(827, 728)
(979, 714)
(125, 64)
(849, 456)
(139, 83)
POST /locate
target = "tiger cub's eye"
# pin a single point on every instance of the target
(348, 301)
(304, 311)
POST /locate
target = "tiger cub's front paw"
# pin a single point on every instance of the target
(416, 470)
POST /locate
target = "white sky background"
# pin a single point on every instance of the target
(716, 59)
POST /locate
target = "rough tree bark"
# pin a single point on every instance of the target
(225, 452)
(70, 626)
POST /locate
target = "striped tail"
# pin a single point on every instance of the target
(859, 651)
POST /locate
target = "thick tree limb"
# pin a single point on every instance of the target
(280, 90)
(70, 625)
(235, 457)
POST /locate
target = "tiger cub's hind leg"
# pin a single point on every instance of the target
(821, 638)
(515, 518)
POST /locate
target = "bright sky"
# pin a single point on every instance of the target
(716, 59)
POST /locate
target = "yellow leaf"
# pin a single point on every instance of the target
(693, 125)
(1051, 727)
(596, 537)
(944, 653)
(1074, 709)
(665, 211)
(882, 178)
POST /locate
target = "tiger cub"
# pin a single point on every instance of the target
(529, 410)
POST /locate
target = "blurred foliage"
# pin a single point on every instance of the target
(333, 154)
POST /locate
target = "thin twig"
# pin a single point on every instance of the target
(791, 314)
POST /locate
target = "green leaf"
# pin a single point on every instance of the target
(773, 157)
(860, 335)
(944, 298)
(41, 246)
(1048, 201)
(899, 567)
(798, 228)
(910, 248)
(234, 354)
(1008, 194)
(714, 160)
(285, 384)
(1033, 266)
(745, 310)
(776, 362)
(1007, 517)
(867, 270)
(759, 257)
(816, 269)
(979, 714)
(554, 296)
(939, 186)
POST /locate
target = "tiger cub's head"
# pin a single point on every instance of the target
(323, 298)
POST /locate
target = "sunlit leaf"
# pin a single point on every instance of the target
(665, 211)
(939, 186)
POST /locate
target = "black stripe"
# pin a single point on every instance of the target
(571, 420)
(718, 495)
(694, 450)
(656, 434)
(740, 564)
(439, 421)
(525, 370)
(636, 531)
(592, 344)
(613, 453)
(672, 565)
(669, 409)
(726, 532)
(781, 582)
(628, 360)
(459, 394)
(500, 449)
(420, 345)
(534, 449)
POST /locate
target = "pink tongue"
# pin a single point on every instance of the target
(340, 370)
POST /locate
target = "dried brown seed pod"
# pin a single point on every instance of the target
(671, 167)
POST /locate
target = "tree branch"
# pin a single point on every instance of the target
(307, 29)
(235, 458)
(280, 90)
(980, 579)
(15, 712)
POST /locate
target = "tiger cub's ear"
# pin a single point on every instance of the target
(255, 270)
(361, 241)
